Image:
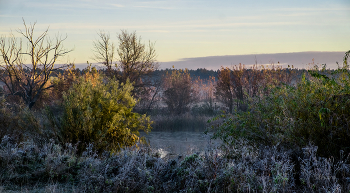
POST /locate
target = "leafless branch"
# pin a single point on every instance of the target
(29, 80)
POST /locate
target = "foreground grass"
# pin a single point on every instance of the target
(28, 167)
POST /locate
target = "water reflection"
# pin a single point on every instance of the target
(177, 143)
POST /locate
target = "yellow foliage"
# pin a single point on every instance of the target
(102, 114)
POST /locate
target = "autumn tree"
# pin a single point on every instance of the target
(254, 78)
(224, 90)
(63, 81)
(232, 86)
(240, 83)
(178, 91)
(29, 80)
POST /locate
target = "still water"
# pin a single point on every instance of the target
(179, 142)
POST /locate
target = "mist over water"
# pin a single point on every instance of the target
(175, 143)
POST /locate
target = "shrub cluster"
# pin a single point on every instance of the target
(315, 110)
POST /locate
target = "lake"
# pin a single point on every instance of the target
(177, 143)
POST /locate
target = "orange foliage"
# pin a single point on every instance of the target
(179, 91)
(240, 83)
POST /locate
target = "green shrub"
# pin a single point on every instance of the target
(315, 110)
(101, 114)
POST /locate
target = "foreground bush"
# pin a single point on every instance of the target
(54, 168)
(102, 114)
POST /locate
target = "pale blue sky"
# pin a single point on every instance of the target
(190, 28)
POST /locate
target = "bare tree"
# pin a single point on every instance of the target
(104, 50)
(137, 60)
(28, 81)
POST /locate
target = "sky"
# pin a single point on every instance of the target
(225, 32)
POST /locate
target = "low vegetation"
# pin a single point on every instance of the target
(50, 167)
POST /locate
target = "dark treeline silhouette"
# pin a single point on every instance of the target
(202, 73)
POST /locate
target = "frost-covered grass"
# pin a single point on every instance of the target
(29, 167)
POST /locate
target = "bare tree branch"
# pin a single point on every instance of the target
(104, 50)
(136, 62)
(29, 80)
